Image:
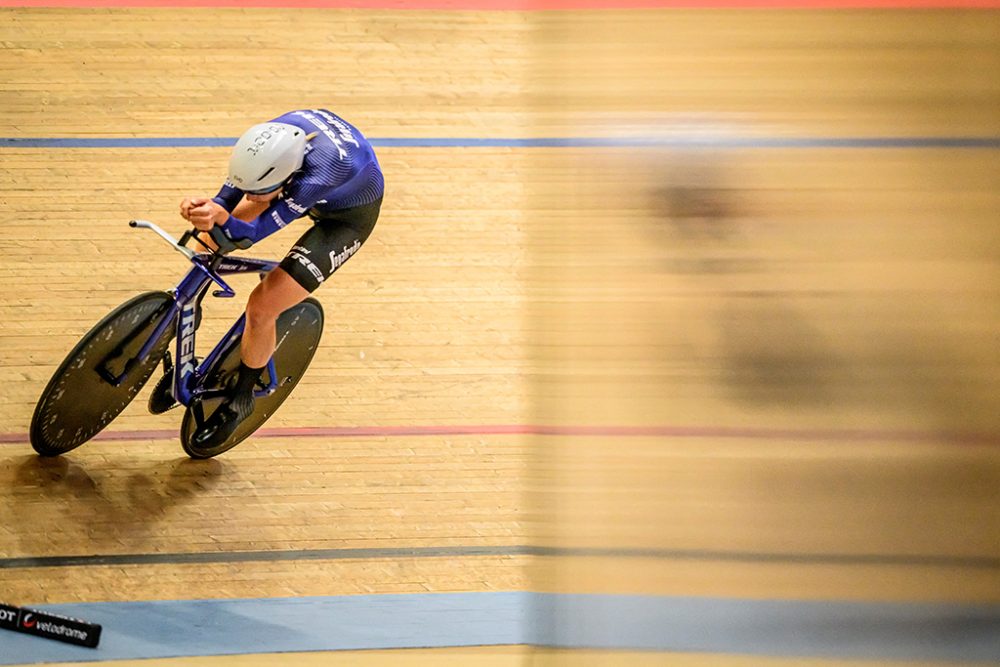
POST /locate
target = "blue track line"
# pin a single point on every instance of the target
(693, 142)
(790, 628)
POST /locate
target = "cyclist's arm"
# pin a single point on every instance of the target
(228, 197)
(277, 215)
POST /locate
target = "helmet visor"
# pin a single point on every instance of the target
(266, 191)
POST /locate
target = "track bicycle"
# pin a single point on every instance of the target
(115, 359)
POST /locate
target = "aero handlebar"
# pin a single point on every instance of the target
(174, 243)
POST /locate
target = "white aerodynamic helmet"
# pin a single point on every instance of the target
(265, 156)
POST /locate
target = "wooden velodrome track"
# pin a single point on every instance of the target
(762, 367)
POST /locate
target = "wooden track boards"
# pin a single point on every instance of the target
(799, 290)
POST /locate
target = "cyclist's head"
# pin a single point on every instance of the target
(266, 156)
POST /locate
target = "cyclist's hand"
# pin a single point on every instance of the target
(186, 205)
(205, 214)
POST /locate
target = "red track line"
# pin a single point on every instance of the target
(672, 432)
(525, 5)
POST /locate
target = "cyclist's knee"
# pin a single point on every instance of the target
(275, 294)
(261, 310)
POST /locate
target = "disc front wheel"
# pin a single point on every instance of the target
(82, 397)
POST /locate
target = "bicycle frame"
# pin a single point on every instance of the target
(207, 268)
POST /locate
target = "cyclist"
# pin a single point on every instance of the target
(306, 162)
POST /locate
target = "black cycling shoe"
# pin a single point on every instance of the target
(162, 398)
(224, 421)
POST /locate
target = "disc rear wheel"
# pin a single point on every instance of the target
(298, 333)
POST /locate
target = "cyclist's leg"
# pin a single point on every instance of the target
(274, 295)
(315, 257)
(323, 249)
(329, 243)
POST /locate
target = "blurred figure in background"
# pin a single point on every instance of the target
(771, 345)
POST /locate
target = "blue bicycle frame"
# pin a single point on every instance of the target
(206, 269)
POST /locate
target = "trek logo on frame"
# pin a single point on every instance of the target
(187, 340)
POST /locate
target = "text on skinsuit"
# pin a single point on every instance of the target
(187, 340)
(294, 206)
(278, 219)
(342, 128)
(325, 129)
(306, 262)
(338, 258)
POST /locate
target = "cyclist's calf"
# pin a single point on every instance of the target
(274, 295)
